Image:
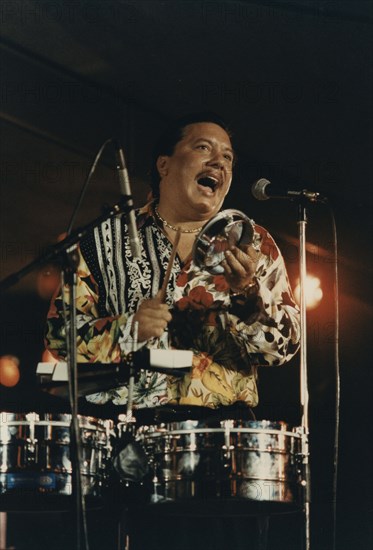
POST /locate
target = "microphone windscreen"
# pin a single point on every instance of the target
(258, 189)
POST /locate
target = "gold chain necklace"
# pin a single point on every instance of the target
(173, 227)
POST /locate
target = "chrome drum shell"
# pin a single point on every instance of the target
(236, 460)
(35, 454)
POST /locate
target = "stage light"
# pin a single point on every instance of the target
(313, 292)
(47, 281)
(48, 278)
(9, 370)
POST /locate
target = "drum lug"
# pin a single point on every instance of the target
(227, 448)
(31, 451)
(31, 441)
(227, 457)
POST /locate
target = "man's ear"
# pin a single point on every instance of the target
(162, 165)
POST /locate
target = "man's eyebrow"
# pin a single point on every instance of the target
(211, 142)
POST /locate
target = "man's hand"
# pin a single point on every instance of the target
(153, 317)
(240, 266)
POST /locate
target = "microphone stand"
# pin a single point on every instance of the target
(130, 418)
(67, 250)
(70, 277)
(304, 395)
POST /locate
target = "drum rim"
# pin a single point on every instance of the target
(166, 432)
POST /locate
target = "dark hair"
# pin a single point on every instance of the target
(173, 134)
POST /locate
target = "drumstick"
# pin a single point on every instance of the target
(162, 295)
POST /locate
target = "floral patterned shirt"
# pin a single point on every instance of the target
(229, 339)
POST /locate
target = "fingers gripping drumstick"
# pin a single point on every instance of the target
(162, 294)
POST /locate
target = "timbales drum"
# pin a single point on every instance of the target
(35, 456)
(227, 466)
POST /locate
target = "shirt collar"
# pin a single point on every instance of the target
(145, 214)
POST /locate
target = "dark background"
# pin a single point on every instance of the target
(294, 81)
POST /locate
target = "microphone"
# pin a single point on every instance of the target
(125, 190)
(263, 189)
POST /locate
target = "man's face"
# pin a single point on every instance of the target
(196, 177)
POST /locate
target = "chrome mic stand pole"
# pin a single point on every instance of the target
(123, 534)
(81, 541)
(304, 396)
(130, 418)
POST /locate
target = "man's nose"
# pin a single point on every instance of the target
(217, 160)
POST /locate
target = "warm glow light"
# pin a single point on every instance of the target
(313, 292)
(48, 357)
(47, 281)
(48, 278)
(9, 370)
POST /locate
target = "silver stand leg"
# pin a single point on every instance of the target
(263, 526)
(123, 534)
(3, 519)
(307, 538)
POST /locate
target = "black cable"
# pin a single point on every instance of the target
(85, 185)
(337, 380)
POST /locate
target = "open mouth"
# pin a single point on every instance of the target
(208, 181)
